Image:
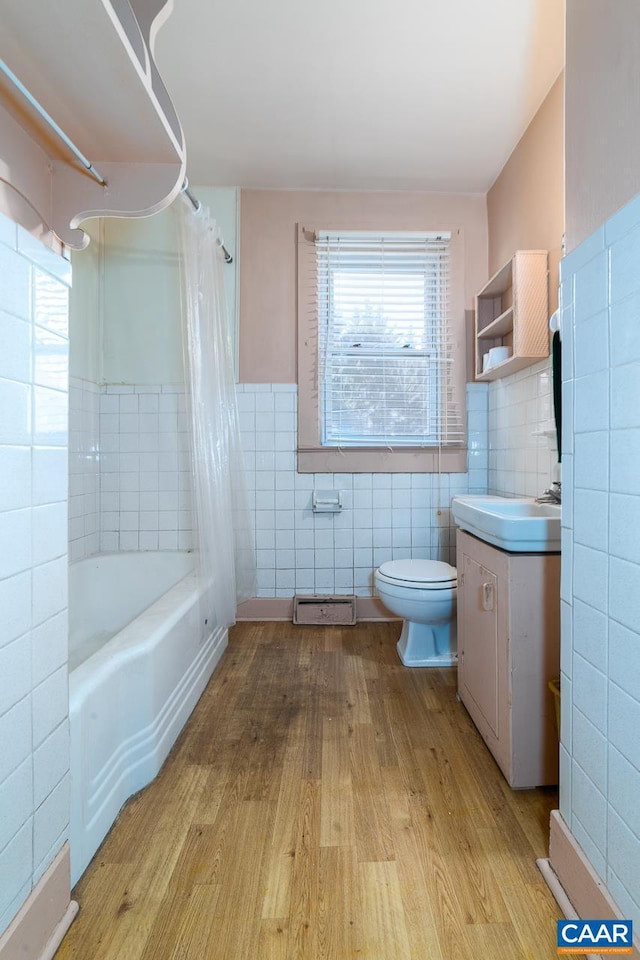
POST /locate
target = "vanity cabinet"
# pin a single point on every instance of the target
(508, 651)
(512, 310)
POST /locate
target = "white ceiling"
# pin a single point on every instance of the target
(357, 94)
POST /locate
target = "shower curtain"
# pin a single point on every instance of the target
(224, 538)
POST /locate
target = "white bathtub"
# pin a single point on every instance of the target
(141, 651)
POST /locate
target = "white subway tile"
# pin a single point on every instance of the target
(285, 579)
(49, 532)
(592, 403)
(167, 540)
(624, 532)
(50, 763)
(49, 644)
(625, 321)
(591, 287)
(51, 820)
(624, 789)
(109, 542)
(589, 806)
(167, 520)
(324, 580)
(15, 478)
(624, 720)
(50, 359)
(590, 692)
(625, 409)
(15, 361)
(50, 589)
(590, 634)
(15, 670)
(16, 794)
(15, 413)
(582, 254)
(591, 519)
(623, 849)
(625, 254)
(16, 866)
(15, 737)
(148, 539)
(624, 658)
(624, 592)
(591, 461)
(590, 576)
(284, 540)
(50, 704)
(589, 747)
(15, 530)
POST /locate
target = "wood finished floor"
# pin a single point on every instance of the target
(323, 802)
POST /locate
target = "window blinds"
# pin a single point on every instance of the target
(385, 341)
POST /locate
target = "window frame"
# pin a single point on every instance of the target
(313, 457)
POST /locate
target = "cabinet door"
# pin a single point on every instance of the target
(478, 616)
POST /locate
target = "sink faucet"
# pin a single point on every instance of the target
(552, 495)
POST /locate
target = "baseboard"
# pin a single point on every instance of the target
(581, 884)
(36, 931)
(281, 608)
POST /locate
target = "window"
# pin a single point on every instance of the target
(379, 354)
(384, 341)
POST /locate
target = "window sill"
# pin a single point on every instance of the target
(382, 460)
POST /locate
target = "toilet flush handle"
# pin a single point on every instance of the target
(488, 594)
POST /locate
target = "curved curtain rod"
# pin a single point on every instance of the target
(197, 206)
(48, 119)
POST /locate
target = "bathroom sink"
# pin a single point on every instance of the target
(519, 524)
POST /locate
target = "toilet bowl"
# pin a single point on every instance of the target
(423, 593)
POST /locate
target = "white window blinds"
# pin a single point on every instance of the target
(385, 341)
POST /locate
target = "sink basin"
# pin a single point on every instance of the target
(520, 525)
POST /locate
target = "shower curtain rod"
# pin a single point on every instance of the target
(51, 123)
(196, 206)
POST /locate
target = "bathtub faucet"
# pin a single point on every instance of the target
(552, 495)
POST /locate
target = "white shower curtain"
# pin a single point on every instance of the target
(224, 538)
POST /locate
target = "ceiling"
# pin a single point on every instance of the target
(357, 94)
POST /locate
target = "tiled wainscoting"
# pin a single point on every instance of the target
(522, 441)
(600, 752)
(84, 466)
(130, 468)
(384, 516)
(34, 701)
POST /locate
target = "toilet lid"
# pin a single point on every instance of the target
(419, 571)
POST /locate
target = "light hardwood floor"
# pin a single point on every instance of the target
(323, 802)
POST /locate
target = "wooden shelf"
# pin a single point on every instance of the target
(512, 310)
(498, 327)
(504, 369)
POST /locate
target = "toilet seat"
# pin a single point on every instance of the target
(424, 574)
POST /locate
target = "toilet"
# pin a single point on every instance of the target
(423, 593)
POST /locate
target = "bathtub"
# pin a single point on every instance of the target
(141, 650)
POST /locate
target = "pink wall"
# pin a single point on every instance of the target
(602, 108)
(525, 205)
(268, 257)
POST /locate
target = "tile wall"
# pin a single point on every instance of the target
(84, 465)
(600, 751)
(34, 759)
(384, 516)
(522, 440)
(145, 468)
(129, 463)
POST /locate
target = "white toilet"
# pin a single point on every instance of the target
(423, 593)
